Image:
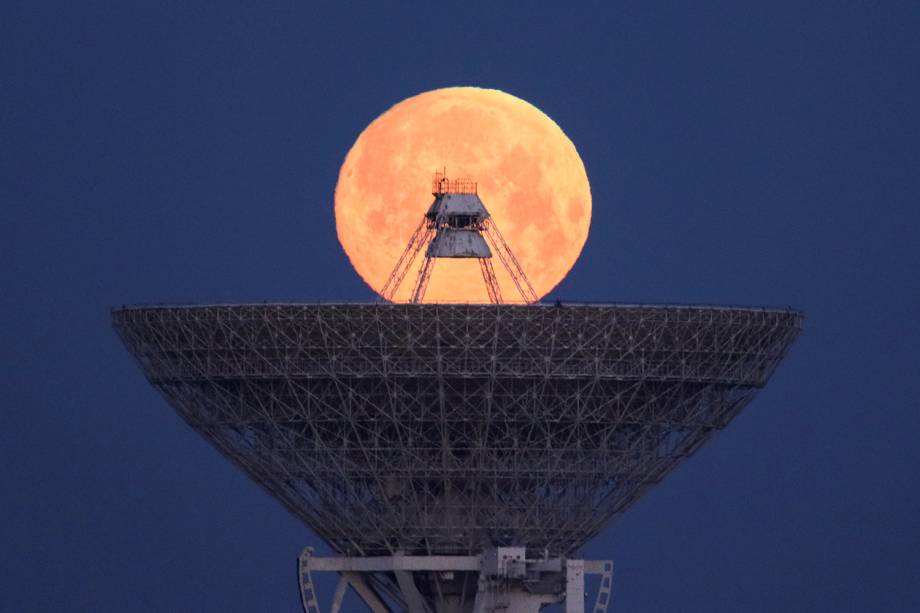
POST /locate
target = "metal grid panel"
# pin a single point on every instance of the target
(444, 429)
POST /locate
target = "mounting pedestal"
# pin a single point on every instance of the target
(501, 580)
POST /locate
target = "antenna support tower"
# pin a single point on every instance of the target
(457, 225)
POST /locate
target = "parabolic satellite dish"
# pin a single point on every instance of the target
(457, 456)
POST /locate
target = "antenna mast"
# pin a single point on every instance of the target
(457, 225)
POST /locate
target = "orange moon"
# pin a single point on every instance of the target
(531, 179)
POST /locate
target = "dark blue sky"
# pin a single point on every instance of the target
(741, 153)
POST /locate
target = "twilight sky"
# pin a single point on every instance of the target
(738, 153)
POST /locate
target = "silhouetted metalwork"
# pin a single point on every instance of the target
(448, 429)
(457, 225)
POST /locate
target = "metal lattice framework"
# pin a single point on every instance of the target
(445, 219)
(443, 429)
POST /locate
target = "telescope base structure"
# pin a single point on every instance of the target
(502, 579)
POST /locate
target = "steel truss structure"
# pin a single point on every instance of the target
(448, 230)
(422, 237)
(420, 429)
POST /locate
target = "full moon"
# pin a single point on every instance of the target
(530, 178)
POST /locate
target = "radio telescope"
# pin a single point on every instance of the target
(457, 456)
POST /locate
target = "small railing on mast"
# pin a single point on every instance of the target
(441, 185)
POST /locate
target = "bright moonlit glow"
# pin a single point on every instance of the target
(530, 177)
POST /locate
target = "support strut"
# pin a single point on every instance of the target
(511, 264)
(420, 238)
(424, 275)
(488, 276)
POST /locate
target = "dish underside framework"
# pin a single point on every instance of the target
(450, 430)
